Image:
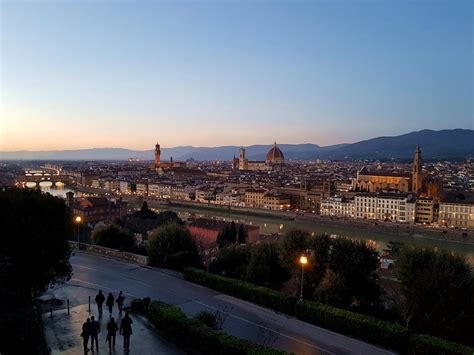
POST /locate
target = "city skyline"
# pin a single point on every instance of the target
(94, 75)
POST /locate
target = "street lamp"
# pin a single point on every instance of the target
(303, 261)
(78, 220)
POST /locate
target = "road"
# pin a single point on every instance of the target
(240, 318)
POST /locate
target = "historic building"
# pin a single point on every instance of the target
(160, 165)
(456, 214)
(338, 206)
(393, 207)
(309, 194)
(417, 177)
(261, 198)
(96, 209)
(273, 160)
(374, 181)
(426, 210)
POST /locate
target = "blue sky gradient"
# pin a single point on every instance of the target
(126, 74)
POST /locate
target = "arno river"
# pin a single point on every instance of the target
(275, 225)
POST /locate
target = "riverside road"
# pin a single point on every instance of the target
(242, 319)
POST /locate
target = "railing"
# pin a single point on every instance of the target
(134, 258)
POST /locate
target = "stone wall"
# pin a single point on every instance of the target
(134, 258)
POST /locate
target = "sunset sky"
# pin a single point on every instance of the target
(83, 74)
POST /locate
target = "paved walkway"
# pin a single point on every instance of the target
(63, 334)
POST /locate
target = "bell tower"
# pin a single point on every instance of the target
(242, 160)
(417, 178)
(157, 155)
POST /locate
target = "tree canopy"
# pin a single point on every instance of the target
(145, 212)
(142, 222)
(232, 261)
(350, 271)
(292, 245)
(171, 245)
(34, 251)
(228, 235)
(264, 267)
(438, 290)
(113, 237)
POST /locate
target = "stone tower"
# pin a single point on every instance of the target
(242, 160)
(417, 178)
(157, 155)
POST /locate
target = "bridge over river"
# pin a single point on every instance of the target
(42, 177)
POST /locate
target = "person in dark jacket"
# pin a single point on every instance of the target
(120, 299)
(126, 330)
(99, 299)
(95, 330)
(86, 332)
(112, 328)
(110, 302)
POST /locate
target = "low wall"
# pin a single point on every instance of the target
(134, 258)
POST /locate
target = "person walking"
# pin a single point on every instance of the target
(112, 328)
(86, 332)
(110, 302)
(126, 330)
(99, 299)
(95, 330)
(120, 299)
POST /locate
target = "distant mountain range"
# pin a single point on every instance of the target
(435, 145)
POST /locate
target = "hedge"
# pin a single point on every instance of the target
(356, 325)
(263, 296)
(425, 344)
(199, 336)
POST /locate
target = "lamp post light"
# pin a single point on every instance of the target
(78, 220)
(303, 261)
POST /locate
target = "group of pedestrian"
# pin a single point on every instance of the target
(100, 299)
(91, 328)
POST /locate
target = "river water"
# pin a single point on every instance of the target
(58, 190)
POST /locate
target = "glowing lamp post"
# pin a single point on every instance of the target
(78, 221)
(303, 262)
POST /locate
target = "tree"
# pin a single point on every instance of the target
(394, 248)
(166, 217)
(242, 235)
(232, 261)
(292, 246)
(172, 245)
(332, 289)
(228, 235)
(145, 212)
(320, 247)
(34, 251)
(142, 222)
(113, 237)
(355, 263)
(438, 291)
(232, 232)
(264, 267)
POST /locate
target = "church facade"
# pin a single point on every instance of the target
(273, 160)
(374, 181)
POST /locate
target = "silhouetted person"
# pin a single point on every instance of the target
(95, 330)
(112, 328)
(86, 332)
(110, 302)
(126, 330)
(99, 299)
(119, 300)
